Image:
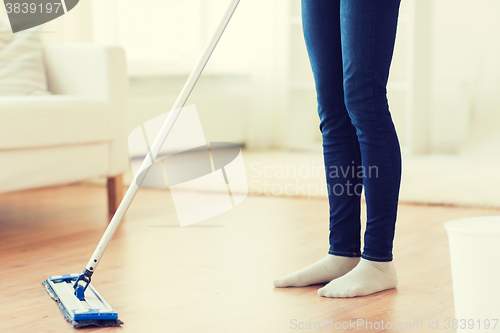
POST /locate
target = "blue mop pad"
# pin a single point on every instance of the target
(93, 311)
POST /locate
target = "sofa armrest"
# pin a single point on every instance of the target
(89, 70)
(97, 72)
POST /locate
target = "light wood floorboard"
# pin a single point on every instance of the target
(215, 276)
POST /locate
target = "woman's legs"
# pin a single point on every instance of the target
(350, 45)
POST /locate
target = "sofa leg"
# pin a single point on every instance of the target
(115, 193)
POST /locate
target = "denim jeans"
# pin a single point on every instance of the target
(350, 45)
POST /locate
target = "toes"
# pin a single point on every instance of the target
(285, 282)
(278, 283)
(336, 293)
(325, 292)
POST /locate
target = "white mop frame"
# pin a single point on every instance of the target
(160, 139)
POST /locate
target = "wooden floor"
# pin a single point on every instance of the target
(215, 276)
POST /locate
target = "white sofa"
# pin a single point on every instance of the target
(78, 132)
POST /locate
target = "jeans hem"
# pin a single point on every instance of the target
(345, 254)
(382, 259)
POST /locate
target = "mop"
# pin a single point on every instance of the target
(78, 300)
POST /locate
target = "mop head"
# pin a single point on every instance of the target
(93, 311)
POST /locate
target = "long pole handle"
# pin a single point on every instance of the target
(160, 139)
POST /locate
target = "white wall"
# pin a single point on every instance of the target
(166, 37)
(466, 73)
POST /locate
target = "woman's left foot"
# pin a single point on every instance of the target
(366, 278)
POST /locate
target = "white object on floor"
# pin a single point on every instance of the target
(463, 180)
(474, 250)
(467, 179)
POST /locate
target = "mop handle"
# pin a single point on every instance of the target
(160, 139)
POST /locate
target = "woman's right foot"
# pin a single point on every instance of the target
(322, 271)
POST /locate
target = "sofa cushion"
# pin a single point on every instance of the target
(22, 70)
(53, 120)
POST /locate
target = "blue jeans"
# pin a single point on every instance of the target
(350, 45)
